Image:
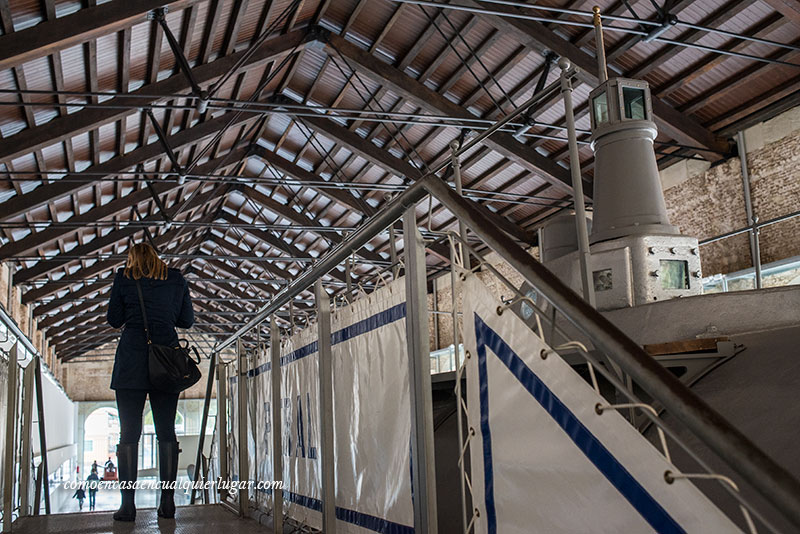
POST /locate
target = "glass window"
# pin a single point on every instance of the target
(633, 100)
(674, 274)
(600, 108)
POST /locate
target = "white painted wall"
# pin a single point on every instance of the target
(59, 422)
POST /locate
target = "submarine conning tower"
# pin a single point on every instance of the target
(627, 189)
(635, 255)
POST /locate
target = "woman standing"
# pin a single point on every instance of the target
(167, 305)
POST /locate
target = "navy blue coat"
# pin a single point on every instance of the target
(168, 305)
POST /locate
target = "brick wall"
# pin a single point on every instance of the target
(711, 203)
(85, 379)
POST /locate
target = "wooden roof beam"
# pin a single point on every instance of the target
(396, 166)
(110, 209)
(99, 267)
(71, 30)
(45, 267)
(17, 205)
(422, 96)
(286, 212)
(64, 128)
(298, 173)
(538, 37)
(788, 8)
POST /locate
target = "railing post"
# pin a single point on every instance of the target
(26, 456)
(42, 439)
(241, 412)
(199, 474)
(585, 255)
(462, 228)
(752, 221)
(10, 444)
(419, 378)
(37, 495)
(393, 252)
(222, 425)
(276, 424)
(326, 407)
(455, 289)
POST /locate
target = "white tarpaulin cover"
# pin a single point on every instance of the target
(372, 432)
(371, 418)
(302, 473)
(543, 460)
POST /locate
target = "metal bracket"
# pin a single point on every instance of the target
(669, 21)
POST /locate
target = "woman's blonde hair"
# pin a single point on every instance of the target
(143, 261)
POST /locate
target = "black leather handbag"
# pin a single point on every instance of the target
(171, 369)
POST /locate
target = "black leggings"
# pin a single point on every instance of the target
(130, 404)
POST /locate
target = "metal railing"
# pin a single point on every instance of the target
(757, 469)
(19, 356)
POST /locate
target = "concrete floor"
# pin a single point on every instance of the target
(188, 519)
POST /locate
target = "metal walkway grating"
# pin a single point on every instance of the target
(188, 519)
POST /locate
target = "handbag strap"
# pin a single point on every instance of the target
(144, 313)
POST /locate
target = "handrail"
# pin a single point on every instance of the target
(7, 320)
(741, 454)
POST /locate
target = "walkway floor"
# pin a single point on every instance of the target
(188, 520)
(108, 499)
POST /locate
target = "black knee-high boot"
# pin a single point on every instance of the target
(128, 458)
(168, 469)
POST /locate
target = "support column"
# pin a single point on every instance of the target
(42, 438)
(324, 358)
(199, 474)
(462, 228)
(9, 447)
(222, 425)
(276, 424)
(752, 221)
(577, 186)
(419, 378)
(241, 413)
(393, 252)
(26, 455)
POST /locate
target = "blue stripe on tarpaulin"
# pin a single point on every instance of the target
(302, 352)
(395, 313)
(589, 445)
(263, 368)
(373, 322)
(369, 522)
